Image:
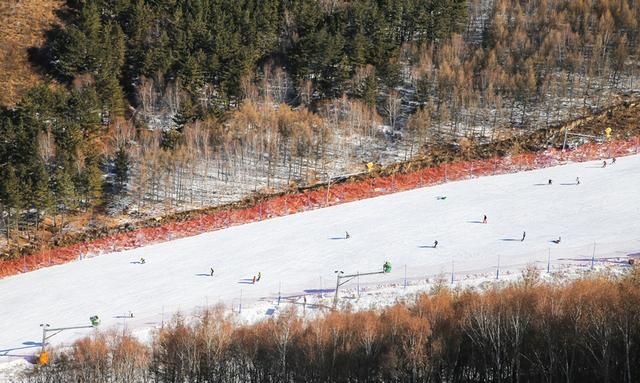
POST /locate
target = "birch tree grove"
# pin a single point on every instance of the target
(529, 331)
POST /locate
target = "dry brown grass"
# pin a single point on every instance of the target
(22, 26)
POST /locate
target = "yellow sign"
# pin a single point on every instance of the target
(608, 132)
(370, 167)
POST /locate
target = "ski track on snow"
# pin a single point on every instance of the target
(300, 252)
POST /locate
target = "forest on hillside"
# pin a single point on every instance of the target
(153, 106)
(584, 331)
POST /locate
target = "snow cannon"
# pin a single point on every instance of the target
(386, 268)
(95, 321)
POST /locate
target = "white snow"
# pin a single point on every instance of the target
(297, 254)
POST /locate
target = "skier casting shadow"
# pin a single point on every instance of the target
(435, 245)
(524, 234)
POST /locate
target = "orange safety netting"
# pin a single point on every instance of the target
(307, 200)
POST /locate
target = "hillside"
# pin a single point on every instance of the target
(298, 254)
(172, 106)
(23, 26)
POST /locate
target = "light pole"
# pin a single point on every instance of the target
(44, 333)
(342, 278)
(339, 274)
(44, 358)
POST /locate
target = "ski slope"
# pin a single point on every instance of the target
(300, 252)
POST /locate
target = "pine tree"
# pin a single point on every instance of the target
(76, 50)
(121, 165)
(187, 112)
(93, 183)
(170, 139)
(370, 90)
(12, 195)
(40, 197)
(112, 56)
(358, 50)
(63, 191)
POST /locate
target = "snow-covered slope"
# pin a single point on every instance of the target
(300, 252)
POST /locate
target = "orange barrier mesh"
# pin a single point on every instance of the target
(308, 200)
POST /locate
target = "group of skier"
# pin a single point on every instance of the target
(550, 182)
(256, 278)
(211, 270)
(524, 233)
(253, 280)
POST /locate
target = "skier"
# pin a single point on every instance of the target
(259, 275)
(130, 314)
(577, 180)
(524, 234)
(559, 239)
(254, 280)
(550, 181)
(613, 160)
(142, 261)
(346, 235)
(212, 271)
(484, 219)
(435, 244)
(604, 164)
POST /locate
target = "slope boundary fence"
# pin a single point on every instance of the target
(318, 198)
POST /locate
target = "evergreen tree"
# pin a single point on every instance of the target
(13, 199)
(94, 184)
(220, 42)
(63, 191)
(41, 198)
(187, 112)
(170, 139)
(112, 58)
(358, 50)
(121, 165)
(76, 50)
(369, 91)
